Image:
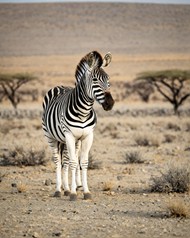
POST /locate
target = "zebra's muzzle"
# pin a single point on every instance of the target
(109, 102)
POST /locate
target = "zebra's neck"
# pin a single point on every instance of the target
(81, 104)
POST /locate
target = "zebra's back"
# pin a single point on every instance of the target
(54, 100)
(53, 93)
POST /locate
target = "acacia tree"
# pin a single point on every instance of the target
(173, 85)
(10, 83)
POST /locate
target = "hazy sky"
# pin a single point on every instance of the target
(147, 1)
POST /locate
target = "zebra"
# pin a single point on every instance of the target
(69, 119)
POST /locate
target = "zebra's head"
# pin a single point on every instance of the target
(98, 80)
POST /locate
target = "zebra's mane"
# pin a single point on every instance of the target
(88, 62)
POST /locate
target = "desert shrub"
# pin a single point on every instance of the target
(174, 180)
(147, 140)
(92, 164)
(178, 208)
(2, 176)
(21, 157)
(111, 128)
(142, 141)
(169, 138)
(188, 126)
(133, 157)
(173, 126)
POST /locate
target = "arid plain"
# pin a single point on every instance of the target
(49, 40)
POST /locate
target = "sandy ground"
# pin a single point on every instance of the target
(49, 40)
(128, 209)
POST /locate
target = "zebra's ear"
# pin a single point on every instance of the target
(107, 59)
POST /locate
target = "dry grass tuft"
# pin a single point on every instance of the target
(147, 140)
(178, 208)
(92, 164)
(19, 156)
(169, 138)
(133, 157)
(142, 140)
(176, 179)
(172, 126)
(2, 176)
(188, 126)
(108, 186)
(21, 188)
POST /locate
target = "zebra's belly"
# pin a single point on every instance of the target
(58, 133)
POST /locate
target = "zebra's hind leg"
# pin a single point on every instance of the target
(65, 178)
(57, 160)
(65, 165)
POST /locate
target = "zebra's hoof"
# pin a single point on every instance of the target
(73, 197)
(57, 194)
(67, 193)
(87, 196)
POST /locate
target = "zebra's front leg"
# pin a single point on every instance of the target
(78, 172)
(85, 148)
(70, 141)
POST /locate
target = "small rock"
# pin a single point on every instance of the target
(119, 177)
(29, 211)
(187, 149)
(35, 235)
(48, 182)
(57, 233)
(14, 188)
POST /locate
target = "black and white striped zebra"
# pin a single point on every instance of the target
(69, 120)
